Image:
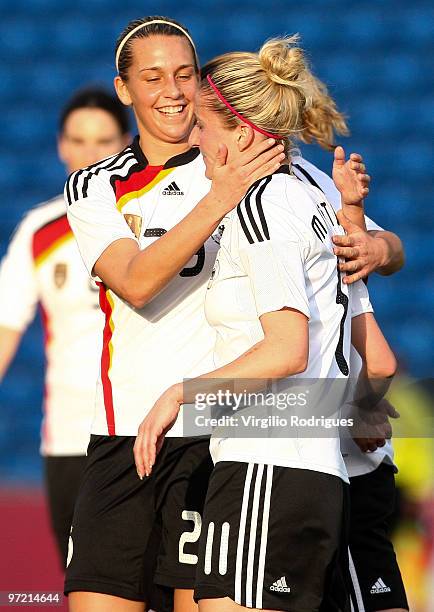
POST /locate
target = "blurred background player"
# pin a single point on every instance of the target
(42, 265)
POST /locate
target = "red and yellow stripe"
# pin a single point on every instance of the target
(107, 305)
(139, 183)
(49, 238)
(126, 189)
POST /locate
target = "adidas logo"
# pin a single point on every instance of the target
(280, 586)
(379, 587)
(172, 189)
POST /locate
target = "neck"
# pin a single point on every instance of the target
(157, 152)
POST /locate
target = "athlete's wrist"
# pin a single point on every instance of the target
(176, 392)
(221, 203)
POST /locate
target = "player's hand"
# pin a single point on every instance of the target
(231, 180)
(372, 429)
(362, 252)
(153, 429)
(350, 178)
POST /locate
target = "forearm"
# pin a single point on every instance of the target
(155, 266)
(137, 276)
(370, 390)
(250, 372)
(9, 341)
(355, 213)
(391, 252)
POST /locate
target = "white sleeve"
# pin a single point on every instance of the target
(372, 226)
(275, 266)
(18, 284)
(309, 173)
(359, 297)
(93, 216)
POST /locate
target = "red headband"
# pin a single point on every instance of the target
(231, 108)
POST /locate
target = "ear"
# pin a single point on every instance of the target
(245, 136)
(122, 91)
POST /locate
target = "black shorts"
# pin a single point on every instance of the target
(376, 579)
(114, 546)
(272, 538)
(62, 481)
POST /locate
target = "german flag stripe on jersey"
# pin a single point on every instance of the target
(49, 238)
(46, 438)
(106, 304)
(139, 183)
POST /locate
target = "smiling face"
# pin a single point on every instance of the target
(161, 86)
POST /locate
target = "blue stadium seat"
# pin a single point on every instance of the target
(377, 62)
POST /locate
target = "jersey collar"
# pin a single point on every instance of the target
(173, 162)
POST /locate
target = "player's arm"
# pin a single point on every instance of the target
(267, 359)
(9, 342)
(364, 251)
(379, 363)
(137, 276)
(390, 252)
(275, 270)
(372, 426)
(18, 293)
(352, 183)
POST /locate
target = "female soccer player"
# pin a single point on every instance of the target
(143, 221)
(375, 575)
(274, 511)
(43, 265)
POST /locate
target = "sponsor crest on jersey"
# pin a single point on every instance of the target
(60, 274)
(134, 223)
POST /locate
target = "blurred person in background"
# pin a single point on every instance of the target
(43, 265)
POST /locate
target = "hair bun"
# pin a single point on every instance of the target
(282, 61)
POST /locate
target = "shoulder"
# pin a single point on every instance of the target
(81, 182)
(309, 174)
(276, 207)
(41, 214)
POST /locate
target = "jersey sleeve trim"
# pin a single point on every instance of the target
(250, 225)
(77, 185)
(306, 174)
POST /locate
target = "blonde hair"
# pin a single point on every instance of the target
(322, 120)
(276, 91)
(271, 88)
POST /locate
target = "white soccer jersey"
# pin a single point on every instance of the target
(43, 265)
(356, 461)
(144, 350)
(276, 251)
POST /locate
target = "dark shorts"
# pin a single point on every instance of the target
(273, 538)
(376, 579)
(62, 480)
(126, 531)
